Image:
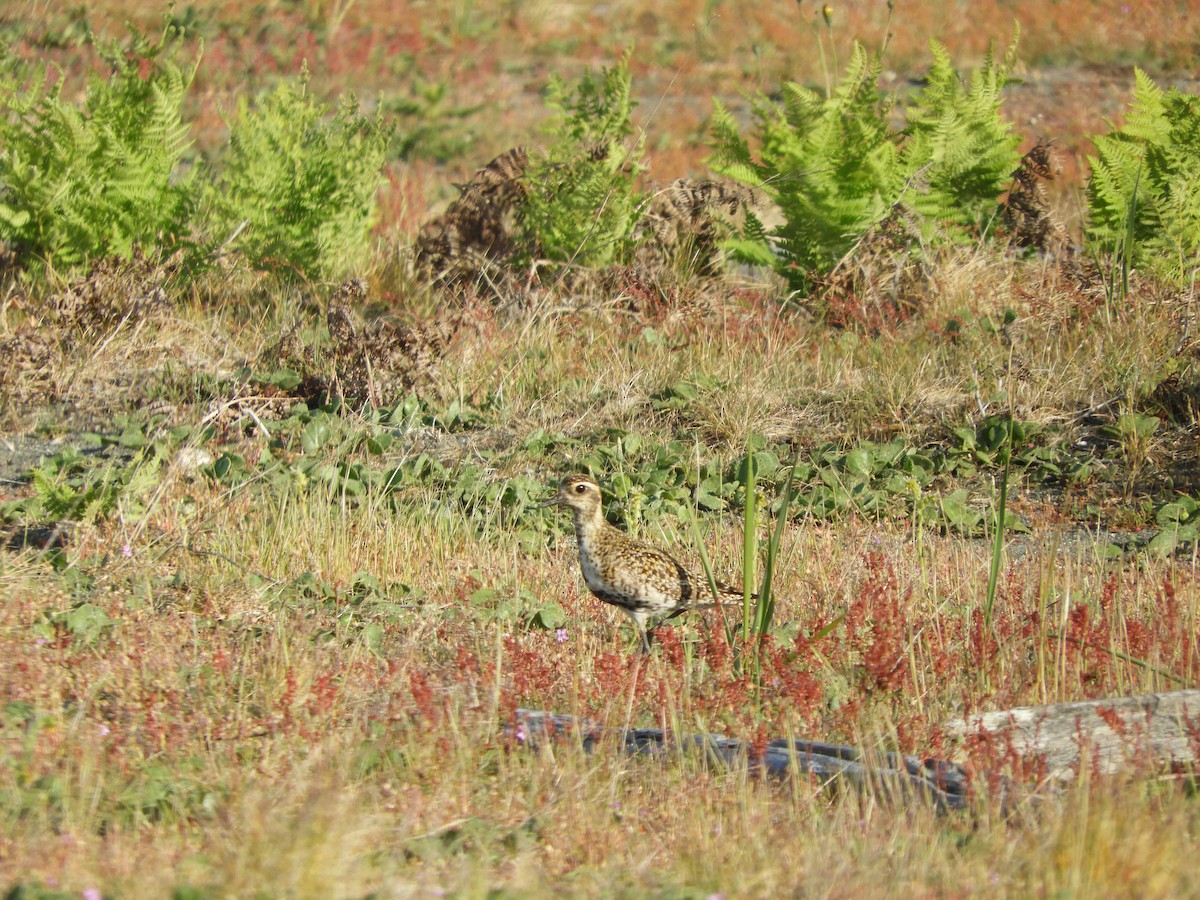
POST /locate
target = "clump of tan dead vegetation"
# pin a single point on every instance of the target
(478, 235)
(101, 337)
(889, 274)
(57, 351)
(480, 240)
(368, 363)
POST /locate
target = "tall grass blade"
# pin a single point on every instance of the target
(1127, 240)
(706, 565)
(749, 541)
(998, 541)
(766, 591)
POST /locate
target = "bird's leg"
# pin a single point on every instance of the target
(645, 639)
(678, 612)
(668, 618)
(661, 621)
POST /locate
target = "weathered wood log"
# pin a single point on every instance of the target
(887, 774)
(1148, 732)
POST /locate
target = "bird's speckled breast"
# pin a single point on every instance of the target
(591, 571)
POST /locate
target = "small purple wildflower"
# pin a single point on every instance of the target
(560, 635)
(521, 735)
(92, 894)
(127, 551)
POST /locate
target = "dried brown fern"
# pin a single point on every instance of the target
(681, 228)
(478, 233)
(1033, 224)
(478, 237)
(1026, 210)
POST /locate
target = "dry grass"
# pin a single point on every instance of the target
(233, 730)
(246, 715)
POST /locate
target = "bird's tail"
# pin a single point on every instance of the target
(726, 596)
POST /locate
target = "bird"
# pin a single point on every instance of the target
(638, 578)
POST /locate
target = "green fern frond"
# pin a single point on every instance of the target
(753, 246)
(956, 135)
(836, 167)
(830, 164)
(100, 177)
(1143, 198)
(298, 183)
(1147, 120)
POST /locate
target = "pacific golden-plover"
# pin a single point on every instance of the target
(640, 579)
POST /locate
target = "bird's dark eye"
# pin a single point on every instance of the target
(581, 488)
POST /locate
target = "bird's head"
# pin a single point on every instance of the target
(578, 492)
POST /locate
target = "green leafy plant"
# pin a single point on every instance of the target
(869, 478)
(835, 166)
(71, 487)
(1144, 193)
(297, 185)
(81, 181)
(653, 478)
(512, 604)
(1029, 449)
(583, 205)
(85, 622)
(990, 444)
(1179, 521)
